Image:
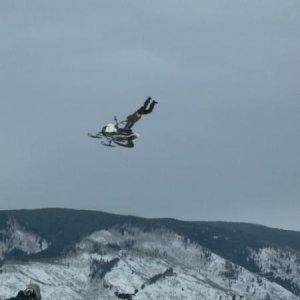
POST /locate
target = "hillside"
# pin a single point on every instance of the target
(158, 257)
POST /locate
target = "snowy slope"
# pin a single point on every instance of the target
(16, 238)
(281, 264)
(160, 264)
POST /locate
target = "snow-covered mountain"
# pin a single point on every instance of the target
(93, 255)
(13, 238)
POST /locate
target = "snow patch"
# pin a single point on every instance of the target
(15, 237)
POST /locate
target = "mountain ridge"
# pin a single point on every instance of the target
(145, 218)
(53, 233)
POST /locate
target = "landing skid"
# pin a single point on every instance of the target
(117, 139)
(95, 136)
(107, 144)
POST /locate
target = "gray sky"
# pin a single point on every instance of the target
(223, 144)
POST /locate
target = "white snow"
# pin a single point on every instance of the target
(197, 272)
(283, 263)
(15, 237)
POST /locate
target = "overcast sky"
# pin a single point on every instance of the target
(223, 143)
